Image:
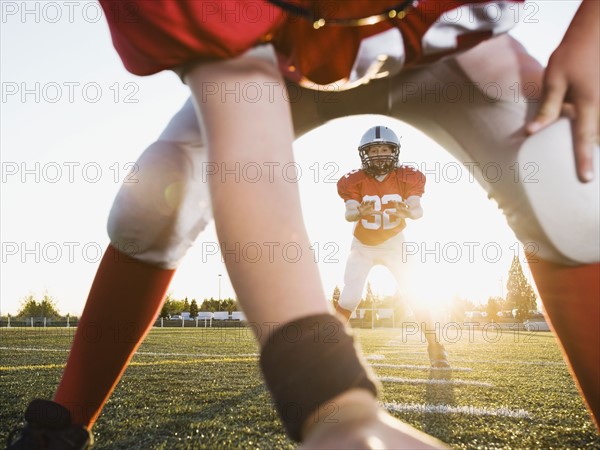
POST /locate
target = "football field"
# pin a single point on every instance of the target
(201, 388)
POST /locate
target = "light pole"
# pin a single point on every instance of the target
(219, 287)
(501, 287)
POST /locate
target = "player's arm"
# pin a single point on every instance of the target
(352, 212)
(356, 211)
(573, 76)
(414, 208)
(409, 209)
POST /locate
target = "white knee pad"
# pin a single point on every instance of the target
(567, 210)
(157, 216)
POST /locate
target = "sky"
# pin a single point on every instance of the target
(73, 120)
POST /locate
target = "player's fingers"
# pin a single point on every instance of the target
(555, 89)
(585, 135)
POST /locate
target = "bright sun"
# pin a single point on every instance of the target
(426, 285)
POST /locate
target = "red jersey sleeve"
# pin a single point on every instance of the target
(415, 183)
(348, 189)
(151, 36)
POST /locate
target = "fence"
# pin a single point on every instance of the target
(361, 318)
(205, 320)
(37, 322)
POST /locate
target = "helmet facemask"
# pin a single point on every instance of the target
(380, 164)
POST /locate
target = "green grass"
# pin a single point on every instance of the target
(196, 388)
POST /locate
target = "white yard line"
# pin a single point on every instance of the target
(447, 409)
(434, 381)
(416, 367)
(486, 361)
(200, 355)
(31, 349)
(197, 355)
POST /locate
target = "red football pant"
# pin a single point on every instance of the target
(571, 297)
(124, 301)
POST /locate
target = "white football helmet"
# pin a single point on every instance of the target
(379, 165)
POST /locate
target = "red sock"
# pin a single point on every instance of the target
(123, 304)
(343, 312)
(571, 297)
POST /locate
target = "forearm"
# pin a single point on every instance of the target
(352, 212)
(249, 199)
(415, 210)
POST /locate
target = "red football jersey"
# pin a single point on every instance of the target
(153, 35)
(400, 184)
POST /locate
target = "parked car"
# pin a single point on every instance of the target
(221, 315)
(536, 325)
(238, 315)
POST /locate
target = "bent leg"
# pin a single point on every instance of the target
(572, 303)
(357, 270)
(486, 127)
(159, 211)
(121, 308)
(476, 106)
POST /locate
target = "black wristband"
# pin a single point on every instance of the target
(309, 361)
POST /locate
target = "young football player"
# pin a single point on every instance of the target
(458, 77)
(379, 197)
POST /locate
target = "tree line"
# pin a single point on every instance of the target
(173, 306)
(46, 307)
(520, 297)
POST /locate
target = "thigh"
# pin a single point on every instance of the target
(358, 266)
(476, 106)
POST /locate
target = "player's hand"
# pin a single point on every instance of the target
(358, 422)
(367, 208)
(401, 210)
(572, 85)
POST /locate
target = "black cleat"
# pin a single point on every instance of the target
(438, 356)
(49, 427)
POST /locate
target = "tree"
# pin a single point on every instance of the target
(28, 307)
(186, 305)
(335, 298)
(164, 312)
(229, 305)
(48, 307)
(493, 307)
(32, 308)
(520, 295)
(171, 306)
(209, 304)
(369, 298)
(193, 308)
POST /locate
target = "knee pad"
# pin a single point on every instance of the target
(165, 204)
(567, 210)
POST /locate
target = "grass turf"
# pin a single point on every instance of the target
(201, 388)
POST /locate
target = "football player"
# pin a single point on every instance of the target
(379, 197)
(364, 46)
